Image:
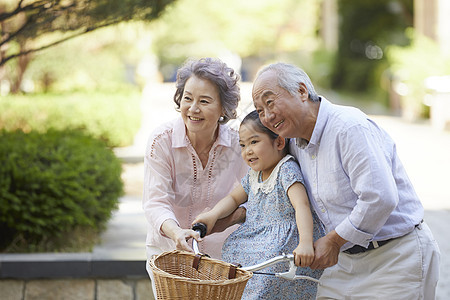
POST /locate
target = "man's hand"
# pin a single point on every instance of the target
(327, 250)
(237, 217)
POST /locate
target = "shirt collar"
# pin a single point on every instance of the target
(180, 139)
(322, 118)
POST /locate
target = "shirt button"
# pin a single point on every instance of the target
(313, 157)
(323, 210)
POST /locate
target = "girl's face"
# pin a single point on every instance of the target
(200, 106)
(258, 150)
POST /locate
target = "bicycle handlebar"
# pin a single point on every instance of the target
(201, 229)
(290, 275)
(270, 262)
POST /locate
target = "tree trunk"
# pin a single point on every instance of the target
(22, 64)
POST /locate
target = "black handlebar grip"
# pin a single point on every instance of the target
(201, 228)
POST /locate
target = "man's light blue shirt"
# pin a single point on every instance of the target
(354, 178)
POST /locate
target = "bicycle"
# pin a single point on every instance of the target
(186, 275)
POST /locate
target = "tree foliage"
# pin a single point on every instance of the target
(23, 22)
(261, 29)
(366, 29)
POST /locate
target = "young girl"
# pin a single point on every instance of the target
(279, 218)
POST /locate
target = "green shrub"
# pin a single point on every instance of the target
(112, 117)
(53, 184)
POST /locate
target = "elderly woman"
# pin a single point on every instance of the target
(193, 161)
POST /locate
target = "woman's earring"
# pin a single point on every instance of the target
(221, 119)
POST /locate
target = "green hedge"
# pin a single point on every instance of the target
(114, 117)
(53, 184)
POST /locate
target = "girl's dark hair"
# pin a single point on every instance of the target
(254, 118)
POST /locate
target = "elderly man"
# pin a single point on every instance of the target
(377, 245)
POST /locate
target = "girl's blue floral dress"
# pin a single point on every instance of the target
(269, 230)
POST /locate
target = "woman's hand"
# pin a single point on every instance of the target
(179, 235)
(304, 255)
(182, 236)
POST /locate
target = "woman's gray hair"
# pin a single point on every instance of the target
(218, 73)
(289, 78)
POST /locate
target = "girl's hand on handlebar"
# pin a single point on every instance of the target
(207, 218)
(303, 255)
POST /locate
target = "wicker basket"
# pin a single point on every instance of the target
(177, 278)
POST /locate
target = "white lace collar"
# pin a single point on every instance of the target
(267, 185)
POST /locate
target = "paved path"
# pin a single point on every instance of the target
(424, 152)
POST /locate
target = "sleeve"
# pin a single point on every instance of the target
(366, 158)
(290, 173)
(246, 184)
(158, 194)
(242, 176)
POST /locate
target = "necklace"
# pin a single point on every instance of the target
(203, 155)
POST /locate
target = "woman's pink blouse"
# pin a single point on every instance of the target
(177, 187)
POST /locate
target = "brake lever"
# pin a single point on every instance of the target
(290, 275)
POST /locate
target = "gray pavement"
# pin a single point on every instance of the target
(424, 151)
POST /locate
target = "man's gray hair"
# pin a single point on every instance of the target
(289, 78)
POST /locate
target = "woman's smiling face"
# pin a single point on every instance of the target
(200, 105)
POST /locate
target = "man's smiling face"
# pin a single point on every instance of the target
(278, 110)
